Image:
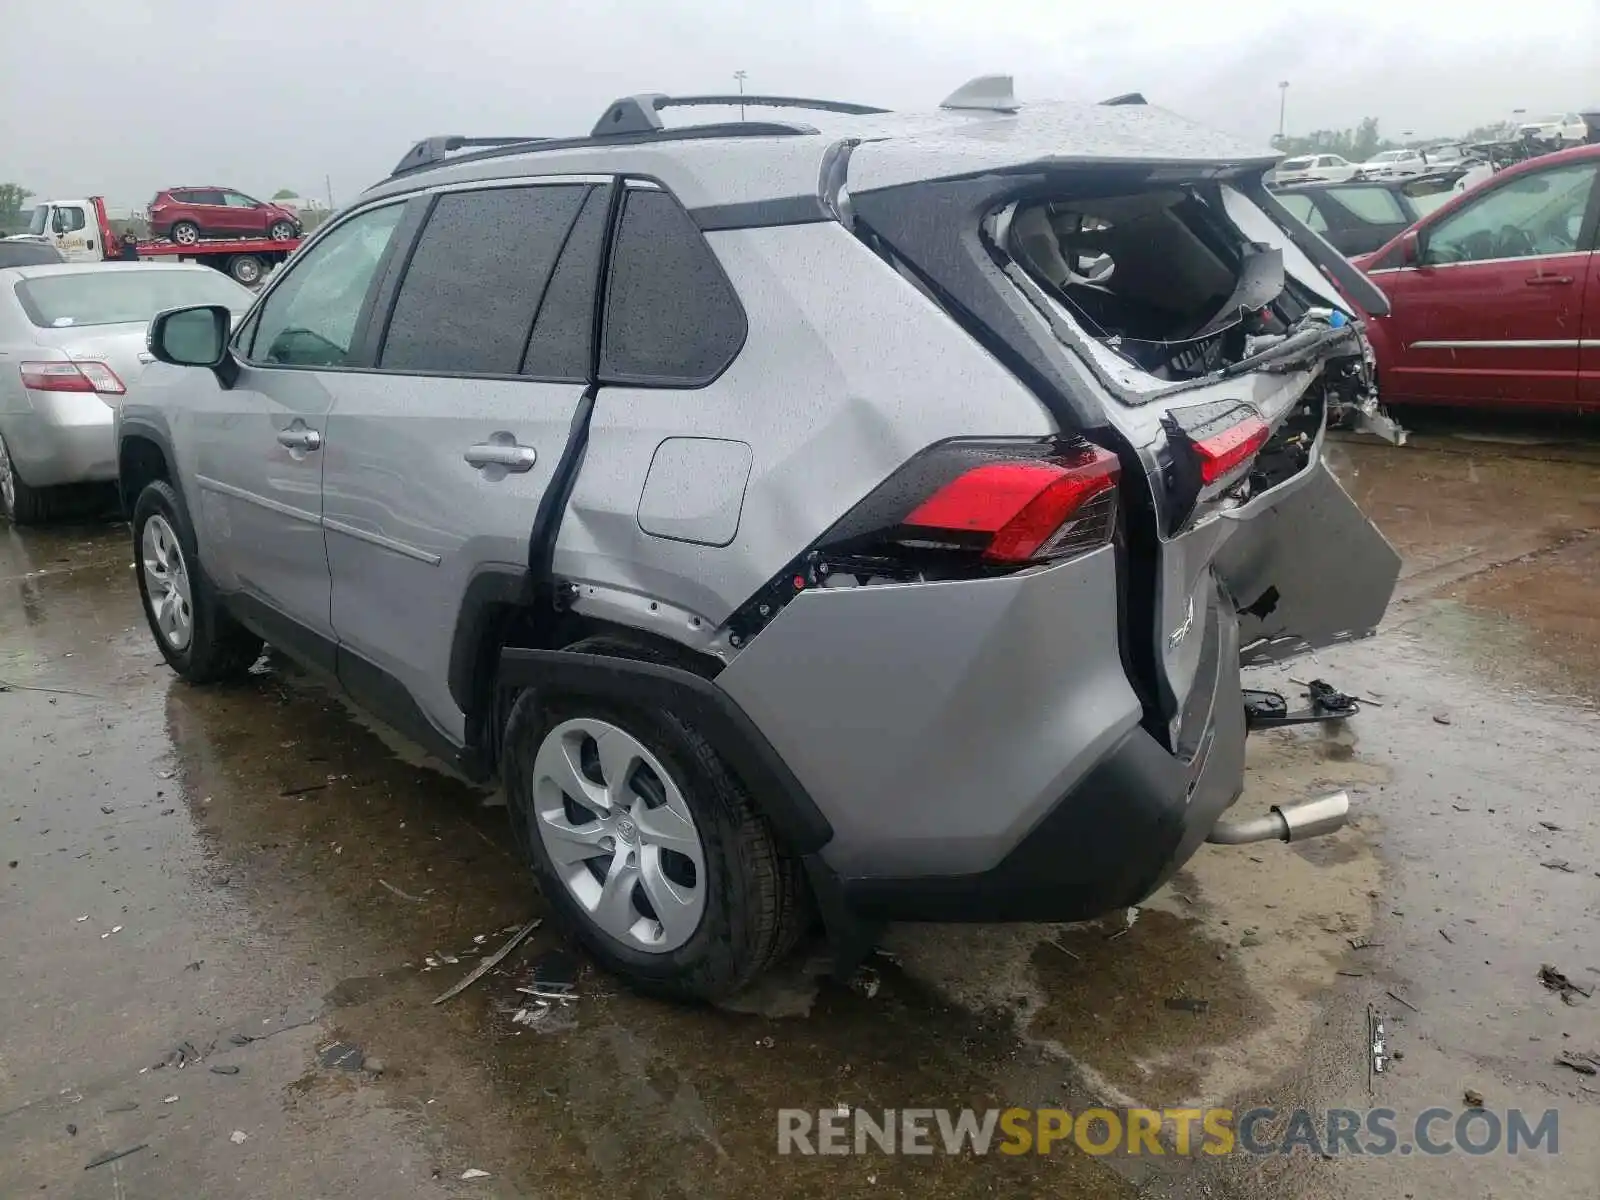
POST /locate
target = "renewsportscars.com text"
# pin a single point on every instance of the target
(1182, 1131)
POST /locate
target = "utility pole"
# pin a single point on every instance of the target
(327, 182)
(741, 76)
(1283, 104)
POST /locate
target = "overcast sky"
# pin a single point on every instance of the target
(129, 97)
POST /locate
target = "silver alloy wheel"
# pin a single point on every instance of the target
(166, 583)
(8, 481)
(185, 235)
(620, 834)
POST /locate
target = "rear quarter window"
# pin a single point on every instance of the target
(672, 318)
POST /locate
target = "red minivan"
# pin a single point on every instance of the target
(1496, 295)
(187, 214)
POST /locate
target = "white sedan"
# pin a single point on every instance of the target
(1394, 164)
(1314, 168)
(71, 341)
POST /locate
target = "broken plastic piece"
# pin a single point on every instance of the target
(483, 968)
(1269, 710)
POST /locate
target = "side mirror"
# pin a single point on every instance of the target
(1413, 251)
(195, 337)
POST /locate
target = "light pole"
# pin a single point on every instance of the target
(1283, 104)
(741, 76)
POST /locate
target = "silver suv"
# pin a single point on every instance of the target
(863, 518)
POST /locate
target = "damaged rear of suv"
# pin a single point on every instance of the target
(881, 533)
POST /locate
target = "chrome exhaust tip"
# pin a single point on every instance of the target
(1287, 822)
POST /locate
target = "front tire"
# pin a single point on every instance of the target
(281, 231)
(645, 844)
(185, 233)
(24, 505)
(199, 640)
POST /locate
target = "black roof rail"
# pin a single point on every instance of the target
(1126, 98)
(639, 114)
(436, 149)
(422, 157)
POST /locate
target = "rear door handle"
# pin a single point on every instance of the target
(1548, 280)
(513, 457)
(300, 439)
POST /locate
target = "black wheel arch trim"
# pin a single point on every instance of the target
(129, 429)
(778, 795)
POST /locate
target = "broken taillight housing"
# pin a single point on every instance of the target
(1225, 451)
(962, 509)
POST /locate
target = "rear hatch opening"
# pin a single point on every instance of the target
(1174, 315)
(1156, 277)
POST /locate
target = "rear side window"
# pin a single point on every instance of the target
(562, 342)
(1379, 206)
(672, 318)
(476, 278)
(1301, 206)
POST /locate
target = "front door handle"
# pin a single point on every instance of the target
(512, 457)
(300, 438)
(1548, 280)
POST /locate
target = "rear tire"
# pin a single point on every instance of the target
(199, 640)
(246, 269)
(24, 505)
(751, 894)
(185, 233)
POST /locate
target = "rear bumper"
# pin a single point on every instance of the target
(67, 438)
(1120, 832)
(976, 747)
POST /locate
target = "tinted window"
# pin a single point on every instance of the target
(124, 295)
(1376, 206)
(563, 332)
(476, 278)
(1301, 206)
(205, 197)
(28, 254)
(671, 315)
(310, 318)
(1539, 213)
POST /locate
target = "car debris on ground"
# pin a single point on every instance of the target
(1559, 983)
(342, 1056)
(111, 1156)
(488, 964)
(1583, 1064)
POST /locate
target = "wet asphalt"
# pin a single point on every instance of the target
(224, 914)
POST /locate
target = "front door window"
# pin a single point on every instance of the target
(1535, 214)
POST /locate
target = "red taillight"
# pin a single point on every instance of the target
(71, 377)
(1222, 453)
(1031, 510)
